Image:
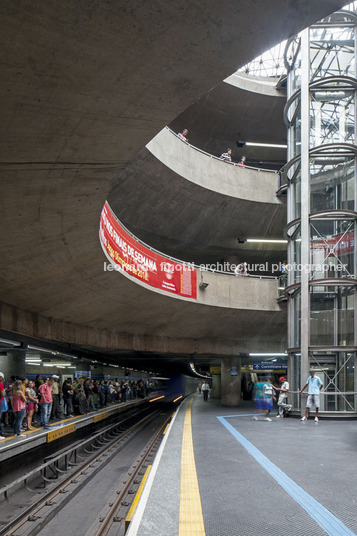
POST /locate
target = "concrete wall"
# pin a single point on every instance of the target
(212, 173)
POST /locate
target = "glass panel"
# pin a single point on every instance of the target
(269, 64)
(294, 368)
(331, 316)
(295, 259)
(294, 116)
(295, 76)
(332, 249)
(332, 117)
(336, 371)
(332, 52)
(294, 175)
(296, 319)
(332, 183)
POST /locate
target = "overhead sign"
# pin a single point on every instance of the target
(270, 365)
(131, 256)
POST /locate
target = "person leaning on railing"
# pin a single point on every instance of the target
(227, 156)
(183, 135)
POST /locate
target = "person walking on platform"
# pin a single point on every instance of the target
(263, 395)
(314, 385)
(205, 390)
(283, 397)
(2, 398)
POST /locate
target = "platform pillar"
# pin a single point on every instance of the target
(216, 386)
(231, 382)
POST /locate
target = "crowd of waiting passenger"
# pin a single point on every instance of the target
(227, 156)
(26, 404)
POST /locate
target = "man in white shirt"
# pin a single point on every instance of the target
(283, 396)
(183, 135)
(205, 390)
(314, 385)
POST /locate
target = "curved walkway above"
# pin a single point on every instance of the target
(160, 273)
(210, 172)
(256, 84)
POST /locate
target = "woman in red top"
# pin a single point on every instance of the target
(18, 406)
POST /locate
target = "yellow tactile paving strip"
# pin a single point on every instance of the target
(131, 512)
(191, 518)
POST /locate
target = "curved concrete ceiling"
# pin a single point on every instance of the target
(84, 87)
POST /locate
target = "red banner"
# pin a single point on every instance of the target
(129, 255)
(340, 245)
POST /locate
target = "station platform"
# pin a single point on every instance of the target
(218, 472)
(12, 445)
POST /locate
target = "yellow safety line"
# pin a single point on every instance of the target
(191, 518)
(131, 512)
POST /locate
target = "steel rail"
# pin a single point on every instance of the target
(30, 513)
(111, 516)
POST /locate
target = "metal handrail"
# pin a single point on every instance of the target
(235, 164)
(326, 392)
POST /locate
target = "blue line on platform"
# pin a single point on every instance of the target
(327, 521)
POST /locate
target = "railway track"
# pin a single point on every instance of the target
(57, 481)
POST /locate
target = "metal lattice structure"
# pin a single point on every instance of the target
(321, 182)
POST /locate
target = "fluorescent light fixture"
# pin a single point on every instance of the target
(61, 365)
(267, 241)
(272, 145)
(71, 367)
(275, 354)
(34, 364)
(27, 359)
(160, 378)
(7, 341)
(41, 349)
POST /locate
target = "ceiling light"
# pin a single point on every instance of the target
(41, 349)
(272, 145)
(56, 364)
(7, 341)
(268, 241)
(268, 355)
